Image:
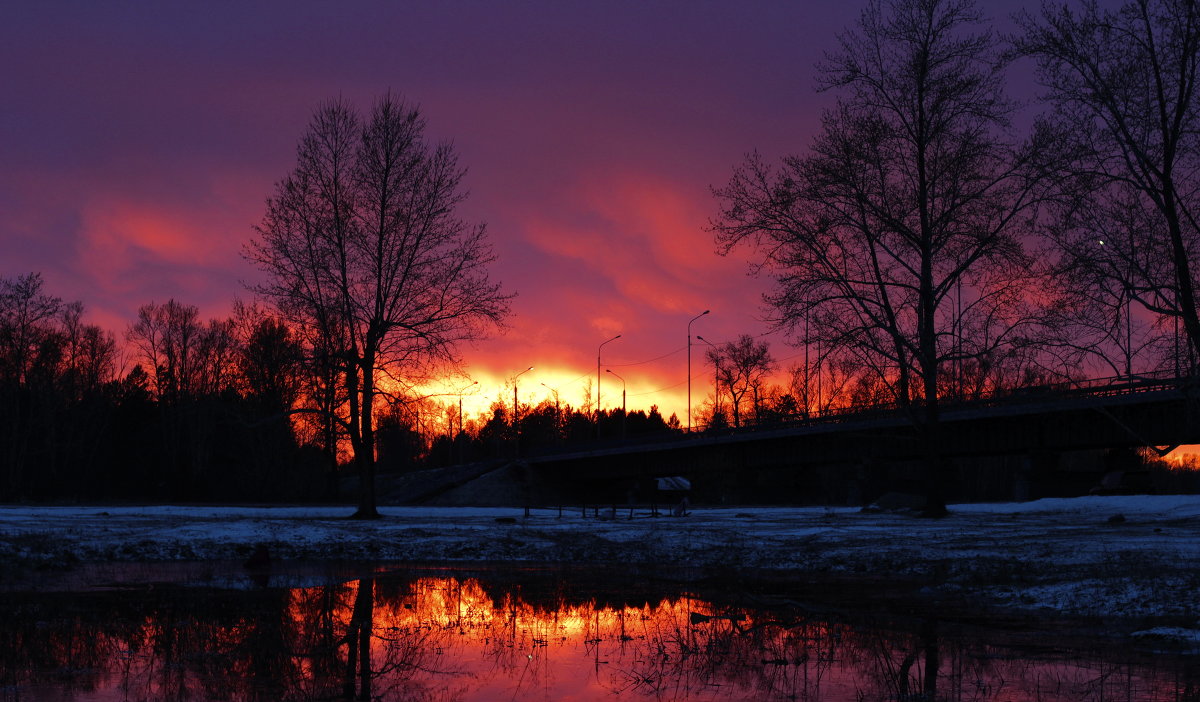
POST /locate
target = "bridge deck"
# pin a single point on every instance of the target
(1142, 412)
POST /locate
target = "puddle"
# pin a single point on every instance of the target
(434, 634)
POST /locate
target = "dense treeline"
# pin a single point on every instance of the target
(540, 427)
(182, 409)
(179, 408)
(186, 410)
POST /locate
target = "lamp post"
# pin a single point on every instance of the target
(557, 414)
(460, 396)
(1129, 309)
(624, 416)
(618, 336)
(1176, 336)
(460, 392)
(820, 372)
(518, 375)
(516, 429)
(809, 409)
(689, 367)
(553, 391)
(716, 378)
(807, 389)
(1126, 299)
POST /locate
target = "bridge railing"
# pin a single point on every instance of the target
(1091, 387)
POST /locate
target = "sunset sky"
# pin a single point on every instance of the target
(138, 142)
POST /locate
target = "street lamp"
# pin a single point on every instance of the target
(618, 336)
(716, 379)
(460, 396)
(553, 391)
(516, 430)
(460, 392)
(807, 366)
(557, 415)
(518, 375)
(624, 416)
(1127, 299)
(689, 367)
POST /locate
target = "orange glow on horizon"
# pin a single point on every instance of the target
(1185, 455)
(576, 388)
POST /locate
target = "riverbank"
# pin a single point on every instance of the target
(1126, 557)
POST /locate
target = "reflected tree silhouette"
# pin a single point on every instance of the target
(408, 637)
(358, 641)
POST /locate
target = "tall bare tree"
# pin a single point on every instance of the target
(899, 233)
(742, 367)
(1123, 84)
(26, 319)
(89, 353)
(168, 338)
(268, 359)
(363, 251)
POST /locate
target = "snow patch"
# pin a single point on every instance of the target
(1188, 638)
(1059, 554)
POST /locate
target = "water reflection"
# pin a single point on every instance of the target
(442, 638)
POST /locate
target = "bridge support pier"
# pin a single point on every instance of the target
(868, 483)
(1037, 476)
(1023, 479)
(857, 489)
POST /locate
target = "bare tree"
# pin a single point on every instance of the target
(899, 233)
(168, 337)
(742, 367)
(89, 353)
(1123, 84)
(268, 359)
(363, 251)
(216, 369)
(27, 316)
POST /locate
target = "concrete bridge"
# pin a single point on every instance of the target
(1037, 424)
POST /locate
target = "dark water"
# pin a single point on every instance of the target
(437, 635)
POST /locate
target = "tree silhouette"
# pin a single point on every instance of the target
(1123, 85)
(742, 368)
(898, 233)
(363, 251)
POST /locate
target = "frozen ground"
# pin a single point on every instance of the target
(1062, 556)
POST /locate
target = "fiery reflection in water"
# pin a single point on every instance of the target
(444, 638)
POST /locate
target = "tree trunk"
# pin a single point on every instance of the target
(929, 637)
(935, 474)
(364, 451)
(351, 661)
(364, 612)
(903, 390)
(1183, 275)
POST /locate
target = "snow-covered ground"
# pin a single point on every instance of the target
(1069, 556)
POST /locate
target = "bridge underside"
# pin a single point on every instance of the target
(1031, 431)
